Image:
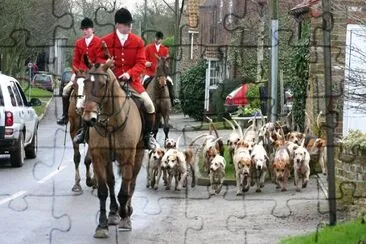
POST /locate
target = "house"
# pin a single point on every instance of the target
(344, 13)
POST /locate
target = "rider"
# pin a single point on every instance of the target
(127, 50)
(89, 44)
(153, 50)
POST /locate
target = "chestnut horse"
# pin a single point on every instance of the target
(115, 135)
(159, 94)
(74, 114)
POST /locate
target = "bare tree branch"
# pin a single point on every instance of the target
(171, 8)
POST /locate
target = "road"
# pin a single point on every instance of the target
(38, 206)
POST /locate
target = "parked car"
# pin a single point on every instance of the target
(18, 122)
(65, 78)
(44, 81)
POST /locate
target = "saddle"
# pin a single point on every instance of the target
(138, 103)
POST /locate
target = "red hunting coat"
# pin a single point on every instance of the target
(94, 52)
(128, 58)
(150, 53)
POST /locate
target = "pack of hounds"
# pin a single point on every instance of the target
(262, 148)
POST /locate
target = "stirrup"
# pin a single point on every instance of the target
(62, 121)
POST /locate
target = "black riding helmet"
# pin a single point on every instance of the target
(86, 23)
(123, 16)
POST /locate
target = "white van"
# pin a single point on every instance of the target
(18, 122)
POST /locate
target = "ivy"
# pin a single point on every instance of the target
(300, 69)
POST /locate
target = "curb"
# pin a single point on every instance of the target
(40, 118)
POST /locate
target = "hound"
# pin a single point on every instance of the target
(217, 173)
(259, 163)
(301, 166)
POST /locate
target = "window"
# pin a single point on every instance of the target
(1, 97)
(21, 94)
(213, 73)
(12, 96)
(18, 97)
(220, 10)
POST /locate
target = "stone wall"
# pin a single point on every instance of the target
(351, 181)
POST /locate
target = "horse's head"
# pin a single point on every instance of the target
(162, 72)
(95, 90)
(79, 90)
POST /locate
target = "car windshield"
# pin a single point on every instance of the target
(42, 78)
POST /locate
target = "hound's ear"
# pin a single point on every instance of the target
(287, 136)
(301, 135)
(296, 147)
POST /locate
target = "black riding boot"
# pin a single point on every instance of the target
(81, 134)
(149, 140)
(65, 110)
(171, 93)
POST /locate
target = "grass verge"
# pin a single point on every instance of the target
(35, 92)
(349, 232)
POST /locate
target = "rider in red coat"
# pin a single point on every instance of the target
(152, 51)
(89, 44)
(128, 52)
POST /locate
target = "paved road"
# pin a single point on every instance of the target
(38, 206)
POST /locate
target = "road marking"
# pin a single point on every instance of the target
(46, 178)
(12, 197)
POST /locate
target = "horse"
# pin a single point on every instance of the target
(115, 135)
(159, 94)
(74, 114)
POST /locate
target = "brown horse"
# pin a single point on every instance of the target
(74, 114)
(159, 94)
(116, 135)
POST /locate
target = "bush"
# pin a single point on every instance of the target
(355, 139)
(192, 92)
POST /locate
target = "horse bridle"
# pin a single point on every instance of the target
(100, 102)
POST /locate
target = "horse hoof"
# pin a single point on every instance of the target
(283, 189)
(258, 190)
(76, 188)
(113, 219)
(239, 193)
(298, 189)
(125, 224)
(156, 187)
(101, 233)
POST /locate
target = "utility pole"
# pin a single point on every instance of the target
(145, 16)
(176, 38)
(274, 59)
(330, 115)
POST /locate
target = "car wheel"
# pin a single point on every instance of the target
(31, 149)
(18, 154)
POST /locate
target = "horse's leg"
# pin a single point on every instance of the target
(124, 196)
(157, 123)
(166, 126)
(113, 217)
(101, 174)
(90, 181)
(77, 156)
(129, 175)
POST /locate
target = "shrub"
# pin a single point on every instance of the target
(192, 92)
